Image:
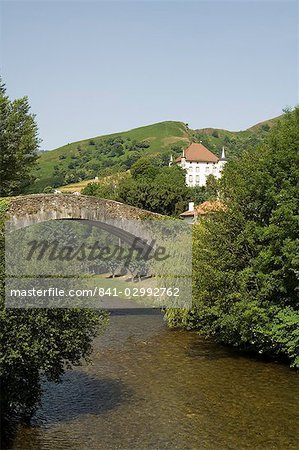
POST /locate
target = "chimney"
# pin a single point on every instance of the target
(223, 154)
(191, 206)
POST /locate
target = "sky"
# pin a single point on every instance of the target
(96, 67)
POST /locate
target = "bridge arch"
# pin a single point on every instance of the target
(120, 219)
(30, 209)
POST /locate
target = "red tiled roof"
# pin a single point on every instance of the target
(198, 153)
(205, 208)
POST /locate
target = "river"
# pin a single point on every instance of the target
(152, 388)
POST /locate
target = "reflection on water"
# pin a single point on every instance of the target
(152, 388)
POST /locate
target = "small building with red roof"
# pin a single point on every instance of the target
(203, 210)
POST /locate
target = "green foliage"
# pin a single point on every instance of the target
(108, 190)
(146, 167)
(246, 261)
(154, 187)
(266, 127)
(197, 194)
(18, 142)
(157, 189)
(48, 190)
(111, 155)
(104, 155)
(36, 343)
(150, 186)
(131, 158)
(4, 205)
(200, 194)
(235, 142)
(212, 188)
(176, 150)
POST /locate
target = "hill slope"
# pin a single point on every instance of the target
(157, 138)
(103, 155)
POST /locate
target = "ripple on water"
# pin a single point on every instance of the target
(152, 388)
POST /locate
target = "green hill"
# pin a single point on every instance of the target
(104, 155)
(156, 138)
(234, 141)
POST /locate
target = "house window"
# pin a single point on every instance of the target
(190, 178)
(197, 169)
(197, 179)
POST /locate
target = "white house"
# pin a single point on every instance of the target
(199, 163)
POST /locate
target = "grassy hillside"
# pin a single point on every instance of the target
(103, 155)
(158, 138)
(234, 141)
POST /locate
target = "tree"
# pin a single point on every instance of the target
(197, 194)
(19, 143)
(169, 194)
(246, 261)
(107, 189)
(33, 342)
(164, 192)
(175, 150)
(131, 158)
(212, 187)
(146, 167)
(37, 343)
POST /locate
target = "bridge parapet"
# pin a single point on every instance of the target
(30, 209)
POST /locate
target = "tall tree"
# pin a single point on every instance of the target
(246, 261)
(157, 189)
(18, 143)
(39, 343)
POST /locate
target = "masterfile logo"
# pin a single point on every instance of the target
(63, 263)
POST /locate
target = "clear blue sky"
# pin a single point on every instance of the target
(91, 68)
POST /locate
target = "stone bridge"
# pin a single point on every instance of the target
(164, 246)
(122, 220)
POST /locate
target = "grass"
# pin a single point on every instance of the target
(77, 187)
(115, 288)
(161, 136)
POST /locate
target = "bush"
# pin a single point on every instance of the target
(48, 190)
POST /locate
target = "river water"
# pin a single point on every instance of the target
(153, 388)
